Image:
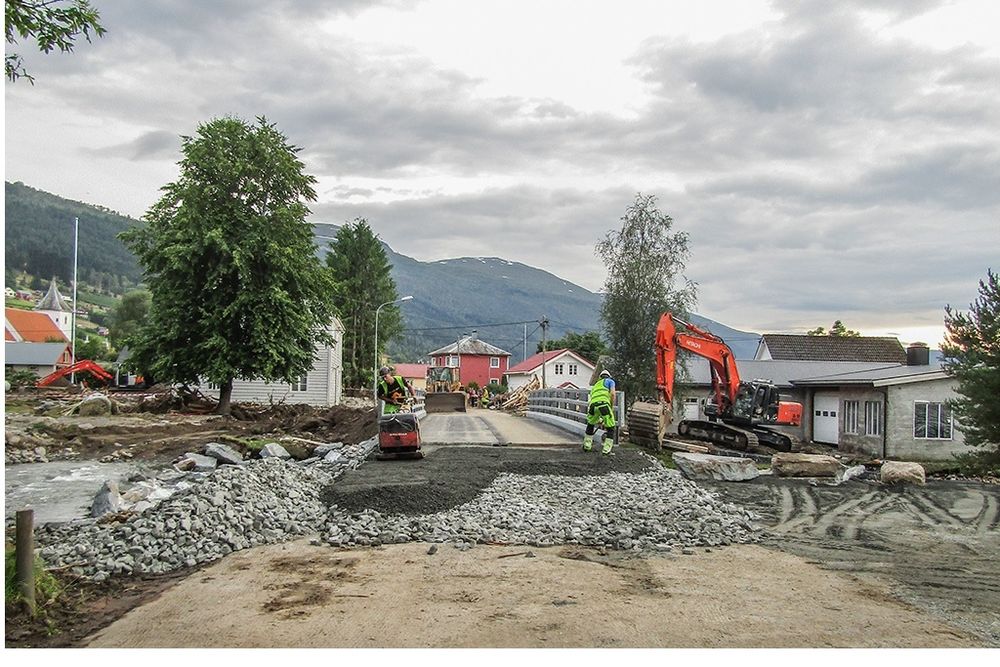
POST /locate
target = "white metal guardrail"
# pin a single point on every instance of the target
(567, 408)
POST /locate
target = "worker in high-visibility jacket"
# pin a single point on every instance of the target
(392, 389)
(484, 399)
(601, 413)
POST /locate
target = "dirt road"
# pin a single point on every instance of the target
(297, 595)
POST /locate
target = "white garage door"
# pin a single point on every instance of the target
(826, 427)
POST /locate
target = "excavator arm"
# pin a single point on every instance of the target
(84, 365)
(725, 376)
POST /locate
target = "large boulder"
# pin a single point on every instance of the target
(788, 464)
(95, 405)
(197, 462)
(706, 466)
(296, 450)
(224, 454)
(274, 450)
(902, 472)
(324, 449)
(107, 500)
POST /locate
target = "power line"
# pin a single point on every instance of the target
(468, 326)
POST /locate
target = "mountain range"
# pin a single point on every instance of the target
(504, 302)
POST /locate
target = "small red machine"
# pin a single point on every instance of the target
(398, 437)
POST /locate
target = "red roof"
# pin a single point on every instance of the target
(31, 326)
(535, 360)
(412, 370)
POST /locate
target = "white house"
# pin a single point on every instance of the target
(564, 369)
(322, 386)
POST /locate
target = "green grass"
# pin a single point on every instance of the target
(251, 444)
(47, 587)
(96, 299)
(18, 303)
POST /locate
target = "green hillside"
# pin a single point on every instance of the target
(501, 300)
(38, 239)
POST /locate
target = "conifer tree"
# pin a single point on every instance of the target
(972, 356)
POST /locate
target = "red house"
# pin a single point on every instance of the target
(477, 360)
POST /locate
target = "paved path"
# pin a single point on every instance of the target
(490, 428)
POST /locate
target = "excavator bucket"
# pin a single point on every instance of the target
(445, 401)
(647, 424)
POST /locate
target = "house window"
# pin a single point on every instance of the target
(300, 384)
(453, 361)
(572, 369)
(559, 369)
(850, 413)
(494, 362)
(873, 418)
(494, 380)
(931, 421)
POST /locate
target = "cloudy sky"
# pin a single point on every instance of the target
(829, 160)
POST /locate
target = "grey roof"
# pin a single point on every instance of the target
(878, 377)
(53, 300)
(788, 347)
(785, 373)
(470, 345)
(32, 354)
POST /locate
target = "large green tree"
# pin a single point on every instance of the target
(588, 345)
(645, 260)
(237, 289)
(972, 355)
(364, 282)
(51, 23)
(129, 317)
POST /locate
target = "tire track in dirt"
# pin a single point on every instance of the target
(936, 545)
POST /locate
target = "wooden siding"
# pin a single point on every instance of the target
(324, 382)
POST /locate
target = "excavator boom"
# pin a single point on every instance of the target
(84, 365)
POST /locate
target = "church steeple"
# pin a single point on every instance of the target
(54, 305)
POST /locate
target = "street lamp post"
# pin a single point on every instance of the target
(375, 382)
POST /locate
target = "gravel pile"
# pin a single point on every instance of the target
(273, 500)
(653, 510)
(236, 507)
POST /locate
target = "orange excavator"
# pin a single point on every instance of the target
(82, 366)
(739, 412)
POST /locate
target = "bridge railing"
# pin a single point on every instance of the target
(567, 408)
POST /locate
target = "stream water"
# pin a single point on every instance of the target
(63, 490)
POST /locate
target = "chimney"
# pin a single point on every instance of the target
(918, 354)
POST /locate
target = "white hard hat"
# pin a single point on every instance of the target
(605, 373)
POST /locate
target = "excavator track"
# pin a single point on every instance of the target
(719, 433)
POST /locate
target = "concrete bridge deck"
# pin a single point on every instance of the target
(490, 428)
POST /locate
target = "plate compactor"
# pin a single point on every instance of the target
(398, 437)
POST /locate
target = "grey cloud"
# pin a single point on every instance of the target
(153, 145)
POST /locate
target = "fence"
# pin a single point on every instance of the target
(567, 408)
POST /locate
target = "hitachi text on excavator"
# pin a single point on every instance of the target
(739, 412)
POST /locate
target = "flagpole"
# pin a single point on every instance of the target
(76, 238)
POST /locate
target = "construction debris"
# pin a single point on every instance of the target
(517, 400)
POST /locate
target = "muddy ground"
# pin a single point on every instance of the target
(935, 546)
(164, 429)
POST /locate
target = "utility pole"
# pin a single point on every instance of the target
(76, 239)
(545, 328)
(524, 353)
